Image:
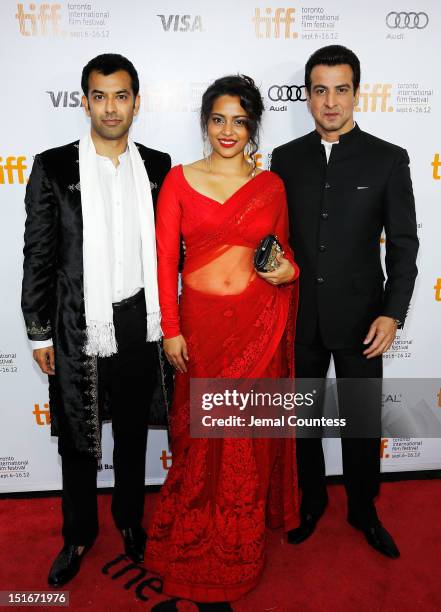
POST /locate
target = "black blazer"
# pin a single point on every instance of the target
(52, 291)
(337, 213)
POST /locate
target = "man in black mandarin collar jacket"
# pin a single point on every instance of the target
(344, 187)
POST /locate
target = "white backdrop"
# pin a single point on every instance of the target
(178, 49)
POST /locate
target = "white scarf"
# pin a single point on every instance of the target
(100, 331)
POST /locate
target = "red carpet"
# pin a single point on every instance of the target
(334, 571)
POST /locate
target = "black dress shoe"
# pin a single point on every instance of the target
(304, 530)
(66, 565)
(134, 543)
(379, 538)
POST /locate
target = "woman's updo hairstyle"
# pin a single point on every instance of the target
(250, 99)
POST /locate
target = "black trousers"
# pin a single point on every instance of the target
(361, 456)
(127, 379)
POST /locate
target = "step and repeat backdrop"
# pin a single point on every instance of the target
(178, 49)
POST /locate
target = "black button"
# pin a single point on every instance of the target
(320, 279)
(327, 186)
(324, 215)
(322, 248)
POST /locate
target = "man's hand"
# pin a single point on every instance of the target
(284, 273)
(382, 332)
(175, 350)
(45, 357)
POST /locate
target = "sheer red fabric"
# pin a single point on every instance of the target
(207, 535)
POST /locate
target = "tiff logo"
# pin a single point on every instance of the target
(379, 93)
(383, 447)
(65, 99)
(166, 460)
(271, 24)
(181, 23)
(39, 414)
(38, 19)
(437, 288)
(14, 166)
(436, 164)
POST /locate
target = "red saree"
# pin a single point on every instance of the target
(207, 536)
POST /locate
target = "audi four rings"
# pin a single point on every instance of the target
(409, 21)
(287, 93)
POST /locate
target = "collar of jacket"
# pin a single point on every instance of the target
(344, 140)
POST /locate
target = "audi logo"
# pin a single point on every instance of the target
(407, 21)
(287, 93)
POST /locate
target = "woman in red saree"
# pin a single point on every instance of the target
(208, 532)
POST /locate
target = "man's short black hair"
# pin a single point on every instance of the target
(333, 55)
(106, 64)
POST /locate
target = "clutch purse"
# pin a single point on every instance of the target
(265, 257)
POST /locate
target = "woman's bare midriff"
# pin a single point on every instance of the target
(228, 274)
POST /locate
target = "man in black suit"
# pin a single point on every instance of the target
(344, 187)
(90, 304)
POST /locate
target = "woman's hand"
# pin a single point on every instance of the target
(176, 352)
(284, 273)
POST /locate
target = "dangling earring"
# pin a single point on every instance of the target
(248, 154)
(207, 152)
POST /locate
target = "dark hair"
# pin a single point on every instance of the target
(106, 64)
(333, 55)
(250, 99)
